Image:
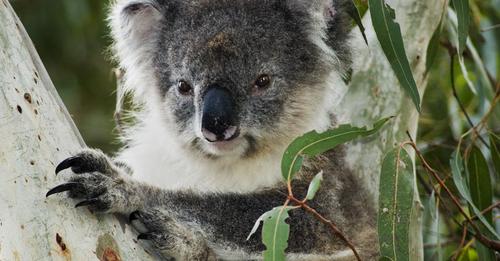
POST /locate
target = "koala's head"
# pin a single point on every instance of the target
(231, 77)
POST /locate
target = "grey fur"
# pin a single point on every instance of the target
(298, 43)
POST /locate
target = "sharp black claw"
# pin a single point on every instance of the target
(67, 163)
(63, 187)
(146, 236)
(134, 216)
(87, 203)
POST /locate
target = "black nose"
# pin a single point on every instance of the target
(218, 120)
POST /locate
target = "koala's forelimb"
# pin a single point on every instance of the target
(179, 223)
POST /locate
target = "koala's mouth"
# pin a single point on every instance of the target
(243, 146)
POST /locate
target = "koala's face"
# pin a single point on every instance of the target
(233, 77)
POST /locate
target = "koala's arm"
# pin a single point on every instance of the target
(195, 226)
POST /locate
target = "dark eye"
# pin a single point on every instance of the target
(184, 88)
(263, 81)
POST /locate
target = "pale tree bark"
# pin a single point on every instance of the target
(36, 132)
(374, 92)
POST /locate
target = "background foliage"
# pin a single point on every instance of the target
(71, 38)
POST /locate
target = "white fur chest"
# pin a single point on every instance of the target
(161, 162)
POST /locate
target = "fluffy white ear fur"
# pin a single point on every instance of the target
(133, 25)
(322, 12)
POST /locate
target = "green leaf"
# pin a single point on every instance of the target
(314, 186)
(275, 233)
(434, 45)
(480, 181)
(468, 254)
(313, 143)
(353, 11)
(495, 153)
(482, 194)
(453, 35)
(390, 38)
(457, 168)
(463, 15)
(395, 204)
(433, 211)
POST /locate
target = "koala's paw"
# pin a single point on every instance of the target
(170, 237)
(98, 182)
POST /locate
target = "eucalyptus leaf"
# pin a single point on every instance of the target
(480, 181)
(314, 186)
(463, 14)
(355, 15)
(275, 233)
(434, 45)
(482, 194)
(453, 30)
(457, 168)
(313, 143)
(495, 153)
(391, 40)
(395, 204)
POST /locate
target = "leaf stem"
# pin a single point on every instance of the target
(492, 244)
(327, 222)
(460, 104)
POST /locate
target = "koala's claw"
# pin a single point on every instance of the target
(90, 202)
(134, 216)
(99, 182)
(146, 236)
(73, 162)
(62, 188)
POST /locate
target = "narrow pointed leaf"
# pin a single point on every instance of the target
(314, 186)
(313, 143)
(480, 181)
(463, 15)
(481, 193)
(395, 205)
(390, 38)
(457, 168)
(275, 233)
(495, 153)
(432, 49)
(354, 13)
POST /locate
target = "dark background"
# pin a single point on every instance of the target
(72, 40)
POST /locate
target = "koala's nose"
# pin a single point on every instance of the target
(218, 121)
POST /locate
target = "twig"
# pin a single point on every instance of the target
(462, 107)
(435, 245)
(326, 222)
(462, 243)
(486, 210)
(430, 188)
(466, 246)
(480, 237)
(489, 28)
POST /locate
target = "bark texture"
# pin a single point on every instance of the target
(374, 92)
(37, 132)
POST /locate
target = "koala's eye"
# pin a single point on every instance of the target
(263, 81)
(184, 88)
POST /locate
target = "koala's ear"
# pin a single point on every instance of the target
(135, 26)
(322, 10)
(134, 19)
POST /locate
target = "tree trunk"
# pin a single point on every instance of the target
(374, 92)
(37, 132)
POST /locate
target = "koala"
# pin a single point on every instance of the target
(222, 87)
